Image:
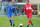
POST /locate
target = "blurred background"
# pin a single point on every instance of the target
(19, 4)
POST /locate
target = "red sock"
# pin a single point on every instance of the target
(29, 22)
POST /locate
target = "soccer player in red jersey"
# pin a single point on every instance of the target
(28, 8)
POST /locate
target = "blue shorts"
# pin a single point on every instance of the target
(10, 15)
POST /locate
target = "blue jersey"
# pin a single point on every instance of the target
(10, 9)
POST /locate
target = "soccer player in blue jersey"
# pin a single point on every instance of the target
(10, 12)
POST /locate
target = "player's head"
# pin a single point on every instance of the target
(12, 3)
(27, 2)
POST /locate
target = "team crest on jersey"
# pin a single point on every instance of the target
(27, 8)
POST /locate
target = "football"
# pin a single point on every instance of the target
(21, 25)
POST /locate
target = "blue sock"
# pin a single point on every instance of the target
(13, 21)
(10, 21)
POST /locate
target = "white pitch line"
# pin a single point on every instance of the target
(35, 18)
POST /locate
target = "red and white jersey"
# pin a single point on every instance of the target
(28, 8)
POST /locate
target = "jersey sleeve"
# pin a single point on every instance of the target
(24, 8)
(15, 10)
(33, 8)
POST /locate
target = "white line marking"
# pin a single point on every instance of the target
(35, 18)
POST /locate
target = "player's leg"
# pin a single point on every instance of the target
(12, 15)
(9, 18)
(13, 20)
(29, 22)
(10, 21)
(29, 18)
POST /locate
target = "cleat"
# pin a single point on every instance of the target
(27, 26)
(13, 25)
(32, 25)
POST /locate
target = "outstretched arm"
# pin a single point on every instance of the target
(24, 9)
(7, 8)
(33, 8)
(16, 11)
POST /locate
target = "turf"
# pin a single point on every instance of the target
(4, 22)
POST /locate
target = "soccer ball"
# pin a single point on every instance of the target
(21, 25)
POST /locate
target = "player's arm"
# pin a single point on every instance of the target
(16, 11)
(24, 9)
(33, 8)
(7, 8)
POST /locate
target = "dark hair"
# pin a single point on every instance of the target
(28, 1)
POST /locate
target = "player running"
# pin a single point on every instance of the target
(10, 12)
(28, 8)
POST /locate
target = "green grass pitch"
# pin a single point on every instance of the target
(4, 22)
